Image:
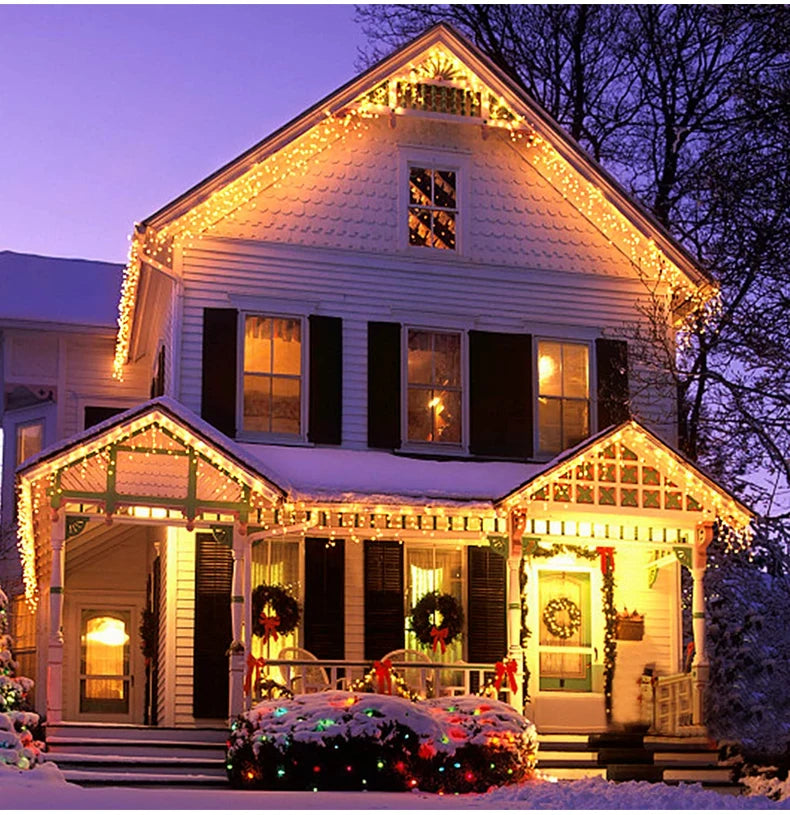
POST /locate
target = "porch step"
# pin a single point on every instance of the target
(113, 755)
(634, 757)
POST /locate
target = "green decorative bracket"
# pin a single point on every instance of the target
(223, 534)
(499, 544)
(683, 554)
(529, 545)
(652, 576)
(74, 525)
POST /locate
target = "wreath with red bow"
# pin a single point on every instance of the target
(275, 611)
(437, 620)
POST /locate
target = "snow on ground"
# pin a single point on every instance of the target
(45, 788)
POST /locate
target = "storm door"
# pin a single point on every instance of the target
(105, 671)
(564, 648)
(213, 631)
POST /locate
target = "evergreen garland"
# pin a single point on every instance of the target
(609, 643)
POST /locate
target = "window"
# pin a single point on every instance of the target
(563, 395)
(276, 563)
(272, 375)
(434, 387)
(104, 664)
(29, 440)
(433, 207)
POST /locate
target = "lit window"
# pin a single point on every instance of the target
(275, 563)
(563, 395)
(433, 208)
(272, 375)
(29, 440)
(434, 387)
(104, 671)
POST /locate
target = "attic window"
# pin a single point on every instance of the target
(433, 98)
(433, 207)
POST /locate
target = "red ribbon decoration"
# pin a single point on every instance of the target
(439, 636)
(270, 626)
(607, 559)
(383, 670)
(506, 669)
(254, 666)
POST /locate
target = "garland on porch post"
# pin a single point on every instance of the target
(610, 615)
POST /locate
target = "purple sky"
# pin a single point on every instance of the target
(109, 112)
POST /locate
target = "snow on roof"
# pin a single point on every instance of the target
(59, 290)
(322, 474)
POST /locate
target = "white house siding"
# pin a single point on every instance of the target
(328, 239)
(355, 600)
(181, 578)
(660, 606)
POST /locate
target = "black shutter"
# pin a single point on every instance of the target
(486, 608)
(384, 400)
(218, 399)
(500, 394)
(384, 621)
(326, 380)
(213, 632)
(324, 608)
(612, 369)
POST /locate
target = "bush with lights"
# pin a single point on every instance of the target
(18, 722)
(355, 741)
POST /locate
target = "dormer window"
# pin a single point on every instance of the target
(433, 207)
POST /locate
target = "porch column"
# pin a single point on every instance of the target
(237, 650)
(55, 649)
(699, 669)
(514, 649)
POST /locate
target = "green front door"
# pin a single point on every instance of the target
(565, 649)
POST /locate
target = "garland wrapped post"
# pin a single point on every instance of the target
(610, 616)
(437, 620)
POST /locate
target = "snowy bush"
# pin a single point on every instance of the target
(748, 702)
(349, 740)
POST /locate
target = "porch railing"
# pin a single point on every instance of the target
(673, 704)
(431, 679)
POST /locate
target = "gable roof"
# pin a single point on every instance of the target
(629, 445)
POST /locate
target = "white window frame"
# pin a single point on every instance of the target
(255, 435)
(448, 448)
(456, 162)
(543, 455)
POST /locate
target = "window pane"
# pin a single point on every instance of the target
(257, 403)
(447, 416)
(575, 421)
(420, 356)
(550, 368)
(549, 425)
(575, 375)
(444, 189)
(105, 664)
(286, 405)
(29, 440)
(420, 186)
(420, 227)
(444, 229)
(287, 341)
(447, 359)
(420, 414)
(258, 344)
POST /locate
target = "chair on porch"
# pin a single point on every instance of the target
(420, 680)
(304, 678)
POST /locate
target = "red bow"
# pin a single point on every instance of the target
(439, 636)
(506, 669)
(383, 670)
(270, 626)
(607, 559)
(253, 667)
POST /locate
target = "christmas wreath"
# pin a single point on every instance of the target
(285, 616)
(437, 620)
(562, 630)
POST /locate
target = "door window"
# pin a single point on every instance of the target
(104, 665)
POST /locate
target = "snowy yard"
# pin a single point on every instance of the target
(44, 788)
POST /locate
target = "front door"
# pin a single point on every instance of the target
(565, 649)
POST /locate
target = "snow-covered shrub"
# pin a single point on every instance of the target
(18, 747)
(352, 740)
(748, 701)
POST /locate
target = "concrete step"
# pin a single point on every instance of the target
(134, 747)
(104, 778)
(135, 764)
(133, 732)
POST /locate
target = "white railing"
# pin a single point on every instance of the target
(431, 679)
(673, 704)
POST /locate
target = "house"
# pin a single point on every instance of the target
(388, 359)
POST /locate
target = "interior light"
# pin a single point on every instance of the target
(107, 631)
